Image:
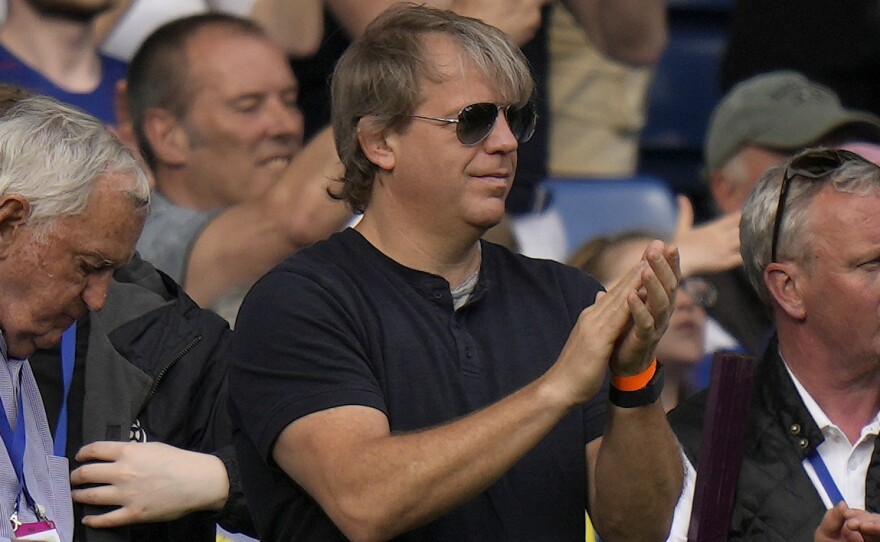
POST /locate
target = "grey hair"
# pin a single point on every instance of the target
(759, 215)
(380, 76)
(52, 154)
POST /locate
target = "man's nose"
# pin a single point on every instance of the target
(284, 120)
(95, 292)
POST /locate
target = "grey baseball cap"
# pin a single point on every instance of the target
(780, 110)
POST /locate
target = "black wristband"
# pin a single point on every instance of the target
(641, 397)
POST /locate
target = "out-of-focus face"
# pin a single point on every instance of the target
(841, 284)
(80, 9)
(242, 122)
(50, 281)
(436, 182)
(685, 337)
(732, 184)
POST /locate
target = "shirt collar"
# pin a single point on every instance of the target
(822, 420)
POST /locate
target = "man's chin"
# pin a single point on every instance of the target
(21, 349)
(32, 343)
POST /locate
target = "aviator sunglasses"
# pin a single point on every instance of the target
(810, 165)
(475, 122)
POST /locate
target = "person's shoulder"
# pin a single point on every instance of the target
(168, 224)
(139, 288)
(329, 261)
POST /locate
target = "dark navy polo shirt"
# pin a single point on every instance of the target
(342, 324)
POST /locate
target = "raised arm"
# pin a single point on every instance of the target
(629, 31)
(295, 25)
(246, 240)
(375, 485)
(519, 19)
(635, 469)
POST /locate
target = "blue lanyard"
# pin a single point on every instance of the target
(68, 360)
(15, 442)
(825, 478)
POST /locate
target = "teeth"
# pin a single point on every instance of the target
(280, 162)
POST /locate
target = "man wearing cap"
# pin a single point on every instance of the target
(758, 124)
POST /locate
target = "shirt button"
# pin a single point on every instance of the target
(438, 296)
(795, 429)
(467, 353)
(803, 443)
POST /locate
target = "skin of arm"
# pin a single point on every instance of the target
(629, 31)
(375, 485)
(148, 481)
(296, 26)
(711, 247)
(519, 19)
(296, 212)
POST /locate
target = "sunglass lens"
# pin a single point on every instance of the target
(816, 165)
(522, 121)
(475, 122)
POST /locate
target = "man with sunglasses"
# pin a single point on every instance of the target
(810, 235)
(404, 379)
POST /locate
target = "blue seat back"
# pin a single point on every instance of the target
(593, 207)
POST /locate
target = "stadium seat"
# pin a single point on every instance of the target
(592, 207)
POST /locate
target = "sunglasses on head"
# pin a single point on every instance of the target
(810, 165)
(476, 121)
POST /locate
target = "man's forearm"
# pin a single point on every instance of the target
(380, 487)
(629, 31)
(639, 475)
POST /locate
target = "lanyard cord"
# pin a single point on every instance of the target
(68, 360)
(831, 490)
(15, 442)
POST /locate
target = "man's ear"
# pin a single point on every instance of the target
(14, 211)
(377, 144)
(783, 282)
(124, 126)
(724, 191)
(167, 136)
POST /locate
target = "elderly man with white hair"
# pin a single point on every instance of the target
(73, 201)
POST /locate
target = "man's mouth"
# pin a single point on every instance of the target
(276, 162)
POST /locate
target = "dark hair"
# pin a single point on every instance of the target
(158, 76)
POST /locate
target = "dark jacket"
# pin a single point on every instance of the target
(153, 356)
(775, 499)
(740, 311)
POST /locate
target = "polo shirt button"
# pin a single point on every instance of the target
(795, 429)
(438, 296)
(467, 352)
(803, 443)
